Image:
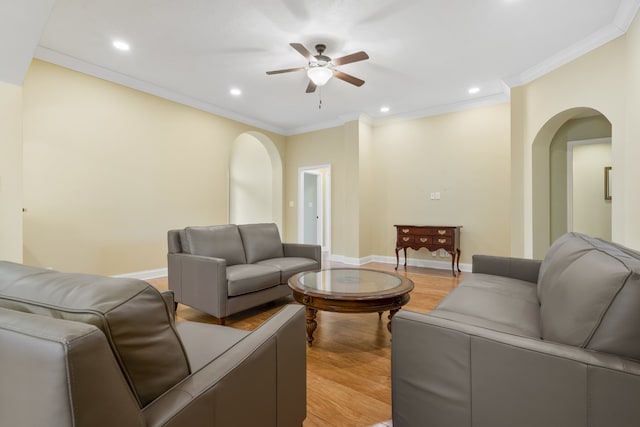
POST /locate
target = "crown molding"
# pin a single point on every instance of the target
(75, 64)
(626, 14)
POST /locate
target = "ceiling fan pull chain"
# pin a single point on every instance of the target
(320, 98)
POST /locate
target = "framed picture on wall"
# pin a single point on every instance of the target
(607, 182)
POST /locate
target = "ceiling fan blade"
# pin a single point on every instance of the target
(348, 78)
(348, 59)
(286, 70)
(302, 51)
(311, 87)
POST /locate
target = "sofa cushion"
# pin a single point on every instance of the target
(217, 241)
(261, 241)
(495, 302)
(289, 266)
(245, 278)
(131, 313)
(589, 292)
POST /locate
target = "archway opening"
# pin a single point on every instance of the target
(255, 180)
(559, 191)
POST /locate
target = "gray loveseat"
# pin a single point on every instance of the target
(90, 351)
(225, 269)
(526, 343)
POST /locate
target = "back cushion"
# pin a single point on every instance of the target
(261, 241)
(217, 241)
(131, 313)
(589, 293)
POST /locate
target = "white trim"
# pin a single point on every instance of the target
(626, 13)
(144, 275)
(122, 79)
(591, 42)
(438, 265)
(570, 146)
(326, 226)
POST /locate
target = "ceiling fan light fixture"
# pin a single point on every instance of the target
(319, 75)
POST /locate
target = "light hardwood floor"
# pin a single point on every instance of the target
(348, 367)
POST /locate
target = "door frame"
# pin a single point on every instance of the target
(324, 211)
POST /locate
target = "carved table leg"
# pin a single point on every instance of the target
(311, 324)
(397, 257)
(380, 314)
(391, 313)
(405, 257)
(458, 251)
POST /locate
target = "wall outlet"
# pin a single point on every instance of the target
(434, 253)
(443, 253)
(435, 196)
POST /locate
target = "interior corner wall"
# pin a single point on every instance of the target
(10, 172)
(108, 170)
(596, 80)
(337, 147)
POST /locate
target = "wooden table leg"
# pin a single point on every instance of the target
(458, 251)
(397, 258)
(311, 324)
(391, 313)
(405, 257)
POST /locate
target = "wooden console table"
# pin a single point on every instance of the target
(432, 237)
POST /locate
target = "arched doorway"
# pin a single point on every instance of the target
(553, 176)
(255, 180)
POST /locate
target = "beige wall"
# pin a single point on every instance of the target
(10, 172)
(108, 170)
(462, 155)
(383, 176)
(597, 80)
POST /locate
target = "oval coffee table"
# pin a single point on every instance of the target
(349, 290)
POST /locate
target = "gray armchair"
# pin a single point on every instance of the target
(225, 269)
(90, 351)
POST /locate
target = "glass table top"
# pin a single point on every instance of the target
(351, 281)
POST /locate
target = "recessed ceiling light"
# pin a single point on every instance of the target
(120, 45)
(474, 90)
(384, 109)
(235, 91)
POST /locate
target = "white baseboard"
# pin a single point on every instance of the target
(439, 265)
(144, 275)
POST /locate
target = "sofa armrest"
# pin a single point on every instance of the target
(199, 282)
(515, 268)
(304, 251)
(261, 380)
(445, 372)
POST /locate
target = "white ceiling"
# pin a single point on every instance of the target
(424, 54)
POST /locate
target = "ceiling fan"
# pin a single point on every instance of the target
(321, 67)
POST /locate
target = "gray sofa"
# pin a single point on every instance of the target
(526, 343)
(225, 269)
(90, 351)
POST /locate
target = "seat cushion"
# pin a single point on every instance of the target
(131, 313)
(495, 302)
(261, 241)
(590, 295)
(289, 266)
(245, 278)
(217, 241)
(204, 342)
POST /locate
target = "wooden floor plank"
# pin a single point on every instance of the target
(348, 366)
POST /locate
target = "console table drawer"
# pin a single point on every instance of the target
(441, 241)
(405, 239)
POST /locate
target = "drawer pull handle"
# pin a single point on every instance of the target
(423, 239)
(442, 232)
(405, 230)
(406, 239)
(442, 240)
